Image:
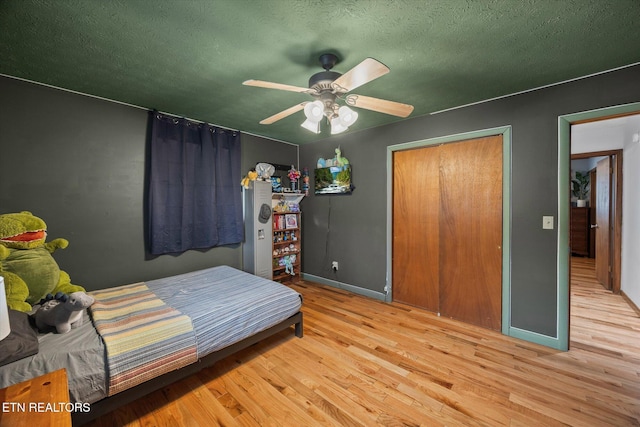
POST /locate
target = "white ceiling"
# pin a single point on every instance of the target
(610, 134)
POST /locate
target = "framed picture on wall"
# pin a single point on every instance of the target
(333, 180)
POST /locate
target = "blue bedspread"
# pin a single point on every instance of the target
(226, 305)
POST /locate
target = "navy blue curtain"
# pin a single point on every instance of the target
(194, 197)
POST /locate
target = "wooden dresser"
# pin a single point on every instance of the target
(580, 231)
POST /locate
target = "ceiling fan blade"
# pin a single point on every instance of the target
(279, 86)
(283, 114)
(381, 105)
(364, 72)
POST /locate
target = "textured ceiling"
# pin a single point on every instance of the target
(190, 58)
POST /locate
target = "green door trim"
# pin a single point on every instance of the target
(564, 172)
(561, 340)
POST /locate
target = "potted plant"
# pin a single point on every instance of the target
(580, 187)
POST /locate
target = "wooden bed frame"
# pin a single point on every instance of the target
(111, 403)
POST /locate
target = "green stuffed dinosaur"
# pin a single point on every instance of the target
(26, 264)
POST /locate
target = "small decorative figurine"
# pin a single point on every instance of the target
(293, 207)
(265, 171)
(251, 176)
(305, 181)
(288, 265)
(294, 175)
(281, 206)
(339, 160)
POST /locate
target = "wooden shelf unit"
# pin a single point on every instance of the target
(287, 236)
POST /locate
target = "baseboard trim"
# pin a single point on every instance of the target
(630, 302)
(345, 286)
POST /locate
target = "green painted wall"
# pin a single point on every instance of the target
(79, 163)
(352, 229)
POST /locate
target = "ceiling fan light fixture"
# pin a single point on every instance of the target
(328, 86)
(347, 116)
(311, 126)
(337, 126)
(314, 111)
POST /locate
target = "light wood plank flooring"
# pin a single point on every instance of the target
(366, 363)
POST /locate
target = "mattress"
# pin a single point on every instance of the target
(80, 352)
(225, 305)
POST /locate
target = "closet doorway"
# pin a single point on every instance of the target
(447, 230)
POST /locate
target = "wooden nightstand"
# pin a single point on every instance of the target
(39, 401)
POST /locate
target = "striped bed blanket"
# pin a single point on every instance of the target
(144, 337)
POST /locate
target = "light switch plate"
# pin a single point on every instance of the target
(547, 222)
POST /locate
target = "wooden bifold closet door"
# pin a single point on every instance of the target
(447, 230)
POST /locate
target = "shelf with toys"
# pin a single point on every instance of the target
(276, 230)
(287, 242)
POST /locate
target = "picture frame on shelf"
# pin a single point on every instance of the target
(276, 184)
(291, 221)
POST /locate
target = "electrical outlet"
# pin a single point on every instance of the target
(334, 265)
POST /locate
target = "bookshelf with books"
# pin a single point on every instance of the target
(287, 236)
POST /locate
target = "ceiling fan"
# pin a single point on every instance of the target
(327, 87)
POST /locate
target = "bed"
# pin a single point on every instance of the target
(190, 321)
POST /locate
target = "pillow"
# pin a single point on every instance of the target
(21, 342)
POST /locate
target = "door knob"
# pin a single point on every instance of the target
(594, 225)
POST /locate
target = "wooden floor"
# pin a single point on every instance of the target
(366, 363)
